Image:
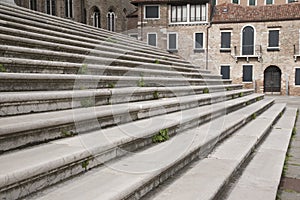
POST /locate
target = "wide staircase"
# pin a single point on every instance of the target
(90, 114)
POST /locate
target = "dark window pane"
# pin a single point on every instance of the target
(252, 2)
(269, 2)
(199, 40)
(248, 41)
(225, 39)
(274, 38)
(225, 72)
(152, 39)
(152, 11)
(71, 8)
(235, 1)
(247, 73)
(53, 7)
(297, 77)
(48, 9)
(172, 41)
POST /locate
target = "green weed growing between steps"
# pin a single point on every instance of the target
(156, 95)
(205, 91)
(141, 82)
(162, 136)
(83, 69)
(2, 68)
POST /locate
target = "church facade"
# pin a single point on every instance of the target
(106, 14)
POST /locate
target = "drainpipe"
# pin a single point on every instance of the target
(207, 31)
(287, 84)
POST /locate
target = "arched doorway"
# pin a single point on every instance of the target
(248, 41)
(272, 80)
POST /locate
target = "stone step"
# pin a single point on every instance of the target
(133, 176)
(48, 55)
(207, 177)
(50, 43)
(12, 82)
(17, 103)
(261, 177)
(11, 36)
(52, 23)
(23, 130)
(26, 171)
(18, 65)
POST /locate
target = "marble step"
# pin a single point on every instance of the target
(206, 178)
(52, 23)
(12, 82)
(29, 170)
(19, 65)
(49, 55)
(135, 175)
(17, 103)
(261, 177)
(23, 130)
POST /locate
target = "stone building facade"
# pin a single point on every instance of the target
(107, 14)
(254, 42)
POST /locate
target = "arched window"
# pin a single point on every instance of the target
(96, 18)
(51, 7)
(248, 41)
(69, 8)
(111, 19)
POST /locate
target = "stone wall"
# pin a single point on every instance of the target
(83, 10)
(284, 58)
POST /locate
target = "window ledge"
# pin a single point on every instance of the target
(273, 49)
(199, 50)
(172, 50)
(225, 50)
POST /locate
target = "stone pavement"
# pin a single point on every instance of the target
(290, 182)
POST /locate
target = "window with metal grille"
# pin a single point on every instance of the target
(225, 71)
(96, 18)
(247, 73)
(152, 39)
(198, 40)
(198, 12)
(151, 12)
(51, 7)
(69, 8)
(179, 13)
(297, 76)
(225, 40)
(273, 38)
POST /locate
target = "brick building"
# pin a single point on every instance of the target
(254, 42)
(107, 14)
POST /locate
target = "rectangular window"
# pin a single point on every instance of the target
(69, 8)
(172, 41)
(179, 13)
(152, 39)
(198, 12)
(198, 41)
(151, 12)
(274, 38)
(269, 2)
(225, 40)
(32, 5)
(225, 71)
(291, 1)
(297, 76)
(50, 7)
(235, 2)
(247, 73)
(252, 2)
